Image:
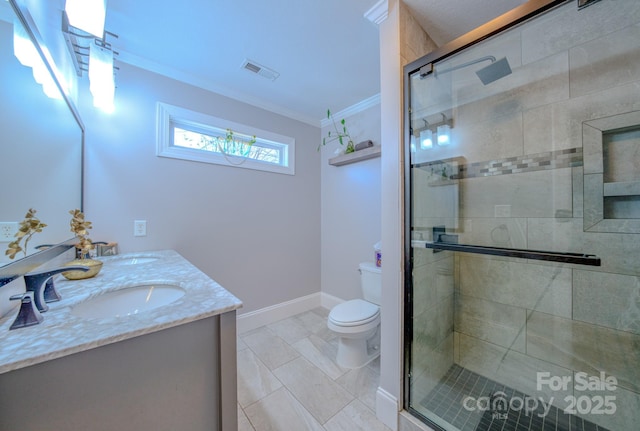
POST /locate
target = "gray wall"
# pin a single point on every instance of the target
(350, 208)
(256, 233)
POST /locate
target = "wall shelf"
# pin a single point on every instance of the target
(356, 156)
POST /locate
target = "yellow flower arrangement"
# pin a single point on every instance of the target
(80, 227)
(28, 227)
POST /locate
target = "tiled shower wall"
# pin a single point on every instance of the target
(520, 185)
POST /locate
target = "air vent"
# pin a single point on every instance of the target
(265, 72)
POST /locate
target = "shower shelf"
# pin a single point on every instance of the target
(622, 188)
(551, 256)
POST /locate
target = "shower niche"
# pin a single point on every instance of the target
(612, 173)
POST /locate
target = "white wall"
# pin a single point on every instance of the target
(389, 396)
(350, 208)
(256, 233)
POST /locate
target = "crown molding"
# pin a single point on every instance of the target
(353, 109)
(378, 12)
(189, 79)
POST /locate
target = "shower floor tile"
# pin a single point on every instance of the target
(447, 400)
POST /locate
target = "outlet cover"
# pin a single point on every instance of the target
(8, 231)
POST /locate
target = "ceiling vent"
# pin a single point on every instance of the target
(265, 72)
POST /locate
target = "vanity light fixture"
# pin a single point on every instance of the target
(87, 15)
(438, 132)
(27, 54)
(89, 49)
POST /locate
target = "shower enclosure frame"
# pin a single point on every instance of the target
(498, 25)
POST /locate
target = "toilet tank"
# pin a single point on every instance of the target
(371, 282)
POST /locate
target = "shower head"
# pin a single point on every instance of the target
(496, 70)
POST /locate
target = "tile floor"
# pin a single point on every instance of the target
(288, 380)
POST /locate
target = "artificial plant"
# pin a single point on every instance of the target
(341, 134)
(28, 227)
(80, 227)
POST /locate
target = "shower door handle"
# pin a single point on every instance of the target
(551, 256)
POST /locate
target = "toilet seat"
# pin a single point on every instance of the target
(357, 324)
(356, 312)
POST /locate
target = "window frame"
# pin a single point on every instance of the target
(169, 117)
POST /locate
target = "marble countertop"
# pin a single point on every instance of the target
(61, 333)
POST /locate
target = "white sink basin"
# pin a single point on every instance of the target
(128, 301)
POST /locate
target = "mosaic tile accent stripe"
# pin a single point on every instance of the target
(568, 158)
(447, 401)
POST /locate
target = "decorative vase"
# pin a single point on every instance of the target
(350, 148)
(94, 268)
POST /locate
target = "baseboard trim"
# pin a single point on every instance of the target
(329, 301)
(409, 423)
(387, 408)
(265, 316)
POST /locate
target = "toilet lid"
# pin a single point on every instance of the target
(354, 312)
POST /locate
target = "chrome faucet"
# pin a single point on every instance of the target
(41, 284)
(28, 315)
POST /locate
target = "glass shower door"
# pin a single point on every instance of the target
(522, 305)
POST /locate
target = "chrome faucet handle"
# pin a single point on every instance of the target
(36, 282)
(50, 293)
(28, 314)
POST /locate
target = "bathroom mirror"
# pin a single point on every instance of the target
(41, 149)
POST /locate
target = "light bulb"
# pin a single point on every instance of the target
(426, 139)
(87, 15)
(444, 135)
(101, 82)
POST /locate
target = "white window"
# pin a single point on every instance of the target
(190, 135)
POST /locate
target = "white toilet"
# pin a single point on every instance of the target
(357, 322)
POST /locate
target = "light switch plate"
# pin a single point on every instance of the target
(139, 228)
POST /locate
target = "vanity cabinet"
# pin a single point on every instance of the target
(169, 368)
(168, 380)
